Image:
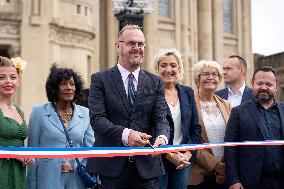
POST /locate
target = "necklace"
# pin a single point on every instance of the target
(210, 108)
(171, 98)
(66, 115)
(10, 106)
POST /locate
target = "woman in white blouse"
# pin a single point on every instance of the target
(181, 115)
(208, 170)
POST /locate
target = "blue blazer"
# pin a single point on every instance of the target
(45, 130)
(110, 114)
(189, 118)
(247, 95)
(244, 164)
(191, 128)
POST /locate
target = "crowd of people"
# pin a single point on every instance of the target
(129, 106)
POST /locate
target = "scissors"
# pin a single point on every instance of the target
(149, 144)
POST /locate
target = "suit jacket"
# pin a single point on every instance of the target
(205, 161)
(45, 130)
(247, 95)
(189, 118)
(110, 115)
(244, 163)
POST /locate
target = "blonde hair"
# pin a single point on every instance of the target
(6, 62)
(197, 69)
(162, 53)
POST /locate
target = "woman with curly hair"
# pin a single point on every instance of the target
(13, 128)
(63, 87)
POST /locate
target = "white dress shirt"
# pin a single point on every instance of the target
(236, 99)
(124, 75)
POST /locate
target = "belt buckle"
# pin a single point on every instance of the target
(130, 159)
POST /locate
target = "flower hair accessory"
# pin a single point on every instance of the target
(19, 63)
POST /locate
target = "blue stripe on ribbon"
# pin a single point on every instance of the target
(165, 147)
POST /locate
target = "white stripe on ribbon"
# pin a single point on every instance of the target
(25, 152)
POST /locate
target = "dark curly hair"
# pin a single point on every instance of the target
(55, 77)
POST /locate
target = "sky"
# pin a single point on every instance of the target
(267, 26)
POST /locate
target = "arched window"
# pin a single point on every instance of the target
(164, 8)
(228, 16)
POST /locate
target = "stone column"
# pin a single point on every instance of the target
(238, 23)
(218, 30)
(35, 7)
(246, 40)
(185, 43)
(180, 16)
(111, 36)
(205, 43)
(192, 35)
(193, 31)
(35, 49)
(151, 32)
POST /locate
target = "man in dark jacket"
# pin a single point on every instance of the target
(236, 92)
(262, 118)
(127, 108)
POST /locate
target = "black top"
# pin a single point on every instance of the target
(271, 129)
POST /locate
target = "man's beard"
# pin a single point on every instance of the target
(264, 96)
(135, 63)
(132, 63)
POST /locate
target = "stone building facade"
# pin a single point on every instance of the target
(277, 62)
(81, 34)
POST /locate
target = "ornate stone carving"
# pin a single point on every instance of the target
(9, 28)
(72, 37)
(9, 16)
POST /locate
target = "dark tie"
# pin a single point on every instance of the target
(131, 90)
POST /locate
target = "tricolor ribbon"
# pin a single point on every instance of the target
(87, 152)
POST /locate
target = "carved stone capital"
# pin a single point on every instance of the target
(10, 16)
(71, 37)
(9, 28)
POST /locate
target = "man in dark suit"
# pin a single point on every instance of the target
(127, 108)
(262, 118)
(236, 92)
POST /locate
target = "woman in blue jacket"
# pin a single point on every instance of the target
(63, 87)
(181, 115)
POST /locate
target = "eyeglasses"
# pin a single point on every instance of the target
(207, 74)
(133, 43)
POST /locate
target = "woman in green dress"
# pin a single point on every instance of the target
(13, 129)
